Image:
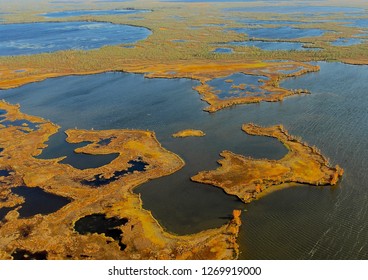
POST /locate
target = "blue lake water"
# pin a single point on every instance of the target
(272, 46)
(63, 14)
(297, 9)
(37, 201)
(238, 85)
(284, 32)
(362, 23)
(303, 222)
(347, 42)
(223, 50)
(32, 38)
(165, 106)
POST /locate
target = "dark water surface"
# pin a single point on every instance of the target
(300, 222)
(37, 201)
(57, 147)
(98, 223)
(32, 38)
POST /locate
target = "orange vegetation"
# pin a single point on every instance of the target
(54, 233)
(247, 177)
(201, 70)
(189, 133)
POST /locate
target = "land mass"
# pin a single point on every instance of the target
(135, 234)
(247, 178)
(189, 133)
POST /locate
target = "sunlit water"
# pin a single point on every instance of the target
(33, 38)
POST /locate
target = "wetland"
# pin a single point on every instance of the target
(275, 169)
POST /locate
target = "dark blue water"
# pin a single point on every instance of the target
(4, 211)
(296, 9)
(98, 180)
(284, 32)
(165, 106)
(20, 123)
(98, 223)
(347, 42)
(223, 50)
(37, 201)
(4, 172)
(63, 14)
(32, 38)
(58, 148)
(250, 86)
(318, 223)
(272, 46)
(298, 223)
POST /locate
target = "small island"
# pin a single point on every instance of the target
(247, 178)
(189, 133)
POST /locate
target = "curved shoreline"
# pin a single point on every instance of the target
(54, 234)
(247, 178)
(188, 133)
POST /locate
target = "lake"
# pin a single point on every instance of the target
(302, 222)
(284, 32)
(33, 38)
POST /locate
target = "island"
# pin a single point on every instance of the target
(247, 178)
(74, 230)
(189, 133)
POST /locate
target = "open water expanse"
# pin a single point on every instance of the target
(33, 38)
(297, 223)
